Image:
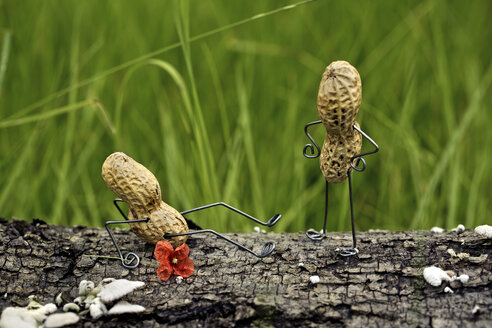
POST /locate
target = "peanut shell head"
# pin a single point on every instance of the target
(337, 151)
(132, 182)
(339, 97)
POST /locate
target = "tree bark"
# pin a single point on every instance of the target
(381, 286)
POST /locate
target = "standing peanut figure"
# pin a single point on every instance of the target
(339, 99)
(149, 217)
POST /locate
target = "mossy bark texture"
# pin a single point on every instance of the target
(382, 286)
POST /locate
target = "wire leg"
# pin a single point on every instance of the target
(115, 202)
(271, 222)
(313, 234)
(266, 250)
(349, 251)
(130, 260)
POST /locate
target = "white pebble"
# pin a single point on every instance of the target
(314, 279)
(437, 230)
(97, 308)
(463, 278)
(263, 231)
(448, 290)
(434, 276)
(484, 230)
(257, 229)
(117, 289)
(300, 265)
(451, 252)
(475, 309)
(17, 317)
(125, 307)
(61, 320)
(85, 287)
(71, 307)
(179, 279)
(59, 299)
(459, 229)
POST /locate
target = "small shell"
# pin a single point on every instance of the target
(61, 319)
(71, 307)
(484, 230)
(85, 287)
(17, 317)
(97, 308)
(463, 278)
(117, 289)
(459, 229)
(435, 276)
(125, 307)
(437, 230)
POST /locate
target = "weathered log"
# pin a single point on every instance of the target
(382, 286)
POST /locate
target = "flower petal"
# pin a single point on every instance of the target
(182, 252)
(184, 268)
(163, 250)
(164, 271)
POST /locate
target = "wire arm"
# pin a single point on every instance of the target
(310, 145)
(115, 202)
(359, 157)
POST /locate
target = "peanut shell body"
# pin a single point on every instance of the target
(339, 99)
(140, 190)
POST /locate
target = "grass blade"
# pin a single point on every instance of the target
(4, 57)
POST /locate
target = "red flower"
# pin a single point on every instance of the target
(173, 261)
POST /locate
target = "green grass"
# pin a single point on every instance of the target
(212, 96)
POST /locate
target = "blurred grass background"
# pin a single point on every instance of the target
(219, 116)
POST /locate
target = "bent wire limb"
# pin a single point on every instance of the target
(267, 248)
(310, 146)
(359, 157)
(349, 251)
(271, 222)
(314, 234)
(130, 260)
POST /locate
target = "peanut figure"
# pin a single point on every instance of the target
(149, 217)
(339, 99)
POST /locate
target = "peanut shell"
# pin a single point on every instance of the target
(339, 99)
(140, 190)
(336, 153)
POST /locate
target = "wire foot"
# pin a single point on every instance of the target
(315, 235)
(347, 251)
